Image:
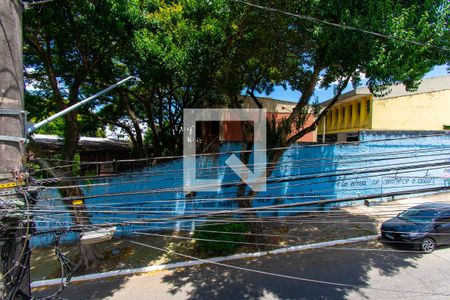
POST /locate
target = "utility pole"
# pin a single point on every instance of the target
(13, 219)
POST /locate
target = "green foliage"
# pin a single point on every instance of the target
(69, 47)
(206, 53)
(220, 233)
(337, 53)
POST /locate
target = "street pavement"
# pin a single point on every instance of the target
(363, 271)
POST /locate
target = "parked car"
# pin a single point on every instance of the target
(424, 226)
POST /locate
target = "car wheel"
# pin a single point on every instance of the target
(428, 245)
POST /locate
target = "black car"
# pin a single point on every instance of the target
(423, 226)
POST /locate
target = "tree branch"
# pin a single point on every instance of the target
(342, 85)
(306, 94)
(255, 99)
(46, 56)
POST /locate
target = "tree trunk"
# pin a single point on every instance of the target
(245, 199)
(71, 136)
(156, 143)
(71, 130)
(139, 146)
(89, 254)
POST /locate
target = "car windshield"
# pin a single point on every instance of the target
(418, 215)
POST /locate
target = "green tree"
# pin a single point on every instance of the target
(324, 54)
(177, 55)
(67, 45)
(205, 53)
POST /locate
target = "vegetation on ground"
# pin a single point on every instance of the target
(220, 239)
(194, 54)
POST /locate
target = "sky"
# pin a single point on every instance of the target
(324, 94)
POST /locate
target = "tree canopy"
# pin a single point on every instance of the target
(194, 54)
(209, 53)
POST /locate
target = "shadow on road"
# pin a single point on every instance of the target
(337, 272)
(331, 265)
(330, 273)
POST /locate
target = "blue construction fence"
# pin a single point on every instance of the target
(152, 199)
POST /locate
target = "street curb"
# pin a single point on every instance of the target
(191, 263)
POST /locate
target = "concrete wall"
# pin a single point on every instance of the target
(350, 115)
(426, 111)
(423, 109)
(271, 105)
(381, 162)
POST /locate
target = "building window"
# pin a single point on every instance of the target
(368, 106)
(352, 137)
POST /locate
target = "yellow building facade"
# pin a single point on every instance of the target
(428, 108)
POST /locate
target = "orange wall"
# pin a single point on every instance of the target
(232, 132)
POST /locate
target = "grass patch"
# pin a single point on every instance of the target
(226, 241)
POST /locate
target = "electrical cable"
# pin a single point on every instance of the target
(272, 245)
(22, 255)
(293, 147)
(341, 26)
(289, 205)
(153, 174)
(67, 270)
(310, 162)
(309, 280)
(266, 244)
(283, 179)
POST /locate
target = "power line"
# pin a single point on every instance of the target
(347, 174)
(341, 26)
(334, 160)
(309, 280)
(282, 164)
(206, 199)
(268, 207)
(159, 212)
(293, 196)
(344, 218)
(143, 174)
(277, 245)
(215, 222)
(295, 146)
(282, 275)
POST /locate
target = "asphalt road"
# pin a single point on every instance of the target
(366, 274)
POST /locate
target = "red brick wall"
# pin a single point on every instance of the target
(232, 132)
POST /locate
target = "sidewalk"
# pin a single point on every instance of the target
(390, 209)
(369, 275)
(307, 228)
